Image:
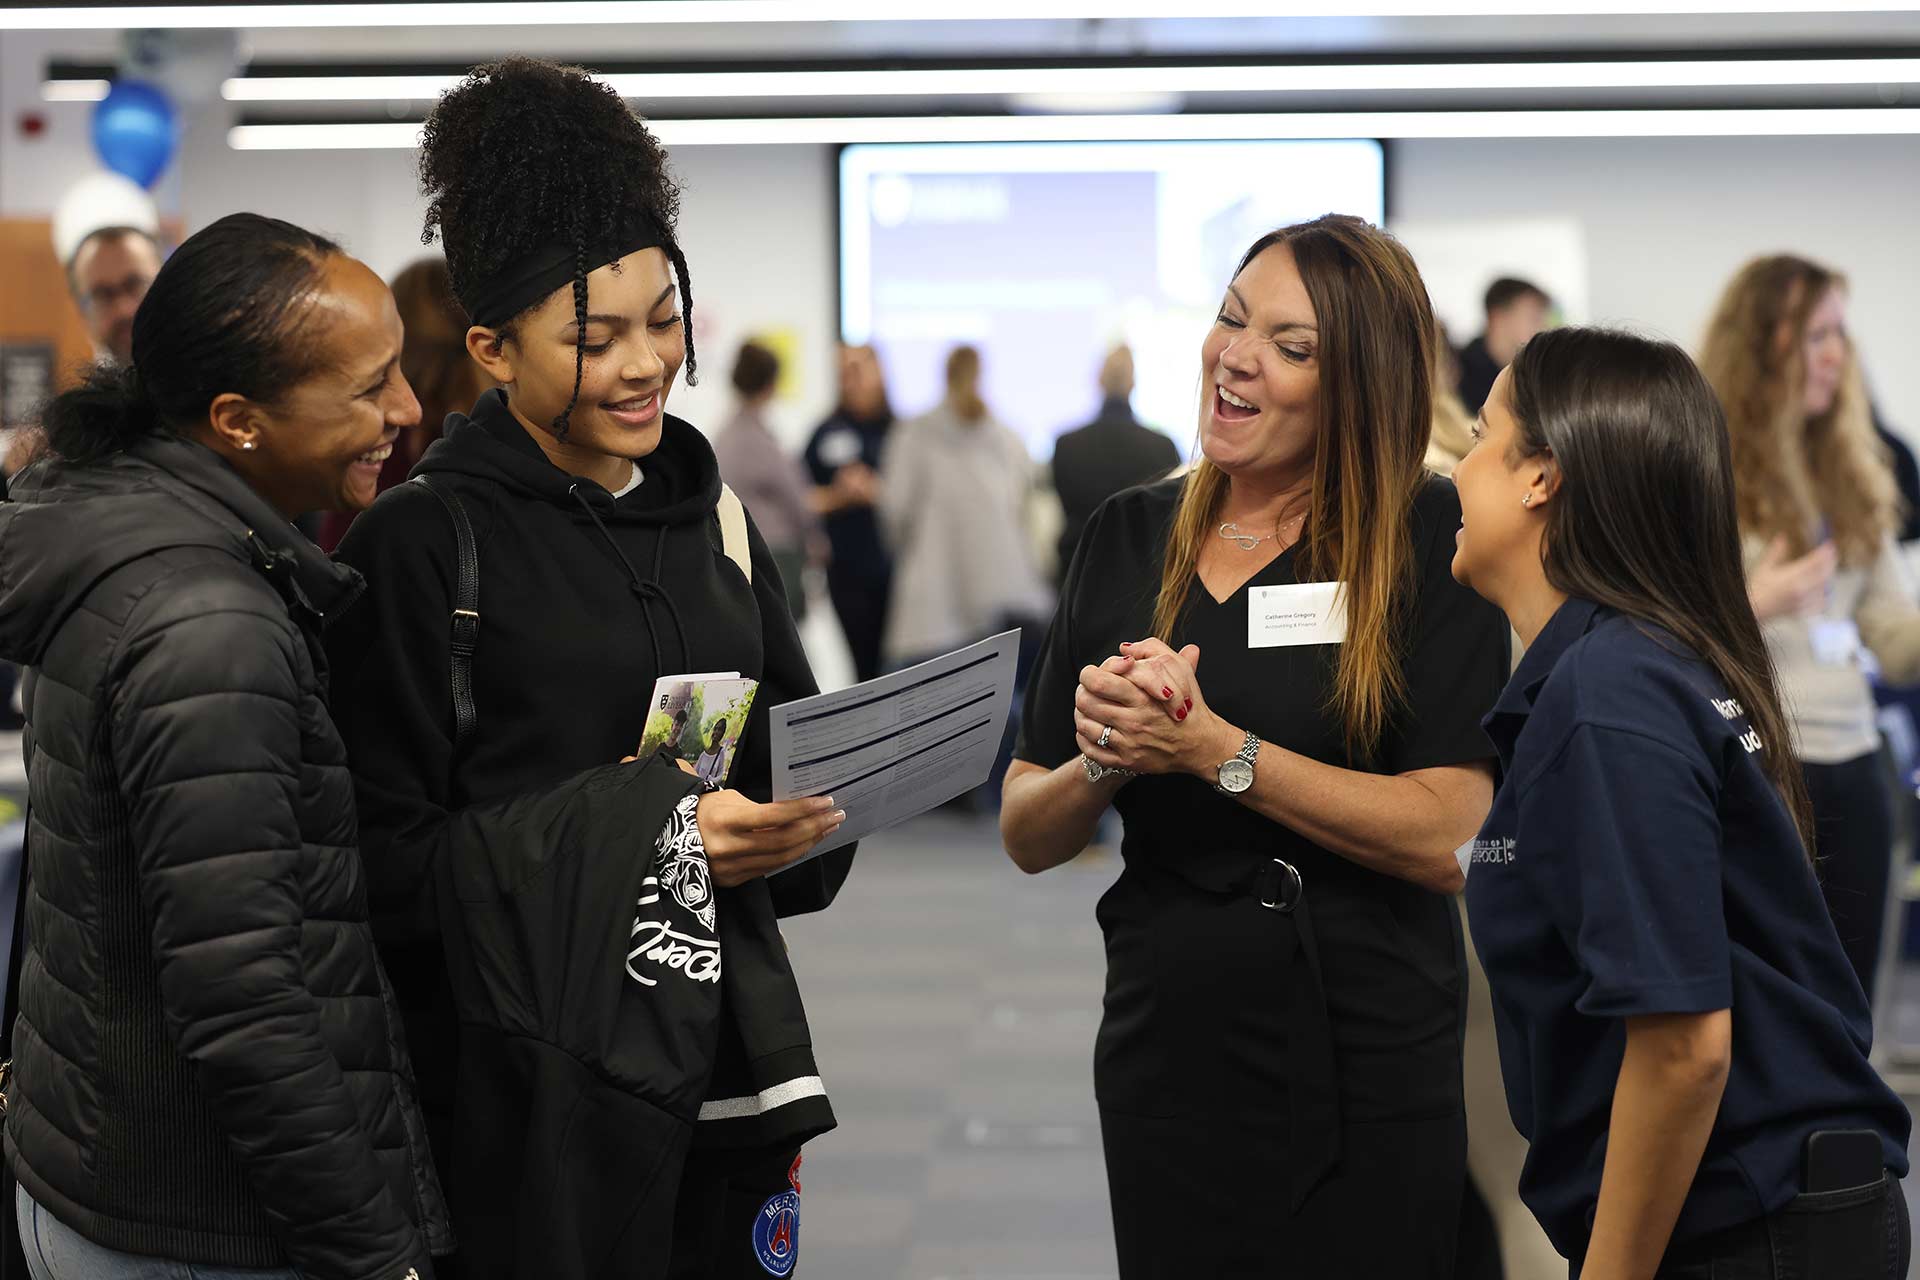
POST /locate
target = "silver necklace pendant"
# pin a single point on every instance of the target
(1231, 532)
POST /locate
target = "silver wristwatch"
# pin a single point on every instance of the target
(1236, 775)
(1096, 771)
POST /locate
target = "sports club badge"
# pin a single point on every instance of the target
(776, 1234)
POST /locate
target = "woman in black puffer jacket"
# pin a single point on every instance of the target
(209, 1068)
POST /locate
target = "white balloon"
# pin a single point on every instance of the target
(96, 202)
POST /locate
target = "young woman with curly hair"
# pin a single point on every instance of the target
(611, 1090)
(1818, 508)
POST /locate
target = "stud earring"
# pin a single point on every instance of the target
(247, 445)
(1526, 500)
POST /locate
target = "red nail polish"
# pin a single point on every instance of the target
(1189, 704)
(1166, 693)
(1181, 714)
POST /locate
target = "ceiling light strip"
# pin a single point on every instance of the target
(1769, 122)
(936, 82)
(575, 12)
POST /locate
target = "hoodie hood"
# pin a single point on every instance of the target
(66, 526)
(682, 477)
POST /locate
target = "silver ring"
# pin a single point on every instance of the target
(1106, 736)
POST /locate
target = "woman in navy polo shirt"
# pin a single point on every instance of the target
(1683, 1040)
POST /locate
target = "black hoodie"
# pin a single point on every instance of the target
(585, 600)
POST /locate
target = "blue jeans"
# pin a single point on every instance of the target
(56, 1251)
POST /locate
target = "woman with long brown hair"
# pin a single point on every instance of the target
(1685, 1048)
(1278, 1069)
(1818, 508)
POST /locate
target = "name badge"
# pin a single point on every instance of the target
(1836, 641)
(1300, 613)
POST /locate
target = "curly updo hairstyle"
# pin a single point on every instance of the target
(523, 153)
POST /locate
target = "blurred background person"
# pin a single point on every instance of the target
(1906, 472)
(109, 274)
(106, 234)
(1113, 452)
(435, 362)
(843, 459)
(953, 500)
(1516, 310)
(770, 482)
(1818, 510)
(1452, 422)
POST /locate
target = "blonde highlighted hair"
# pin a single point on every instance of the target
(1792, 473)
(1376, 404)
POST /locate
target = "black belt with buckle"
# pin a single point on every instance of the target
(1279, 886)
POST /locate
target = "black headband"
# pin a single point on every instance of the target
(522, 283)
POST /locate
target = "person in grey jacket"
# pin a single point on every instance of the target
(208, 1063)
(955, 483)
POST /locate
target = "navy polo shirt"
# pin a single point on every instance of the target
(1637, 860)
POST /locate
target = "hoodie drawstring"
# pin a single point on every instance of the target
(645, 590)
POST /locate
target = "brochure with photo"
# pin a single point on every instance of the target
(699, 719)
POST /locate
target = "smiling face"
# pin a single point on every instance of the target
(1824, 351)
(320, 445)
(1499, 528)
(633, 346)
(1260, 374)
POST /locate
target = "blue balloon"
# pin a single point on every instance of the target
(135, 131)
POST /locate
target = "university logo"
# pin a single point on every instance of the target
(776, 1234)
(1494, 852)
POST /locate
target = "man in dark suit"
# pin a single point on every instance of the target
(1111, 453)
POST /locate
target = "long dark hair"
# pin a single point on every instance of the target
(1645, 520)
(223, 316)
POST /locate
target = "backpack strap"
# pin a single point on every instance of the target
(733, 531)
(465, 629)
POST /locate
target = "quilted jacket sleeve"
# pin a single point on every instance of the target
(207, 742)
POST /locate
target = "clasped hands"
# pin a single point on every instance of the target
(1149, 696)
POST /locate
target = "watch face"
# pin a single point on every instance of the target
(1236, 775)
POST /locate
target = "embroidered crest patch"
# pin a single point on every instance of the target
(776, 1234)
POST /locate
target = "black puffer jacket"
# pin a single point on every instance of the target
(209, 1066)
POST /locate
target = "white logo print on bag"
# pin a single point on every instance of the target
(686, 882)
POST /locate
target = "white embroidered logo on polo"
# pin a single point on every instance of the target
(1496, 852)
(1732, 710)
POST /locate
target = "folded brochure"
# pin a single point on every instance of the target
(699, 719)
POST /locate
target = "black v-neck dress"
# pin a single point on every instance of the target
(1280, 1093)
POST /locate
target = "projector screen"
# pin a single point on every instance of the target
(1044, 255)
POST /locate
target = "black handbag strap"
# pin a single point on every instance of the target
(466, 614)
